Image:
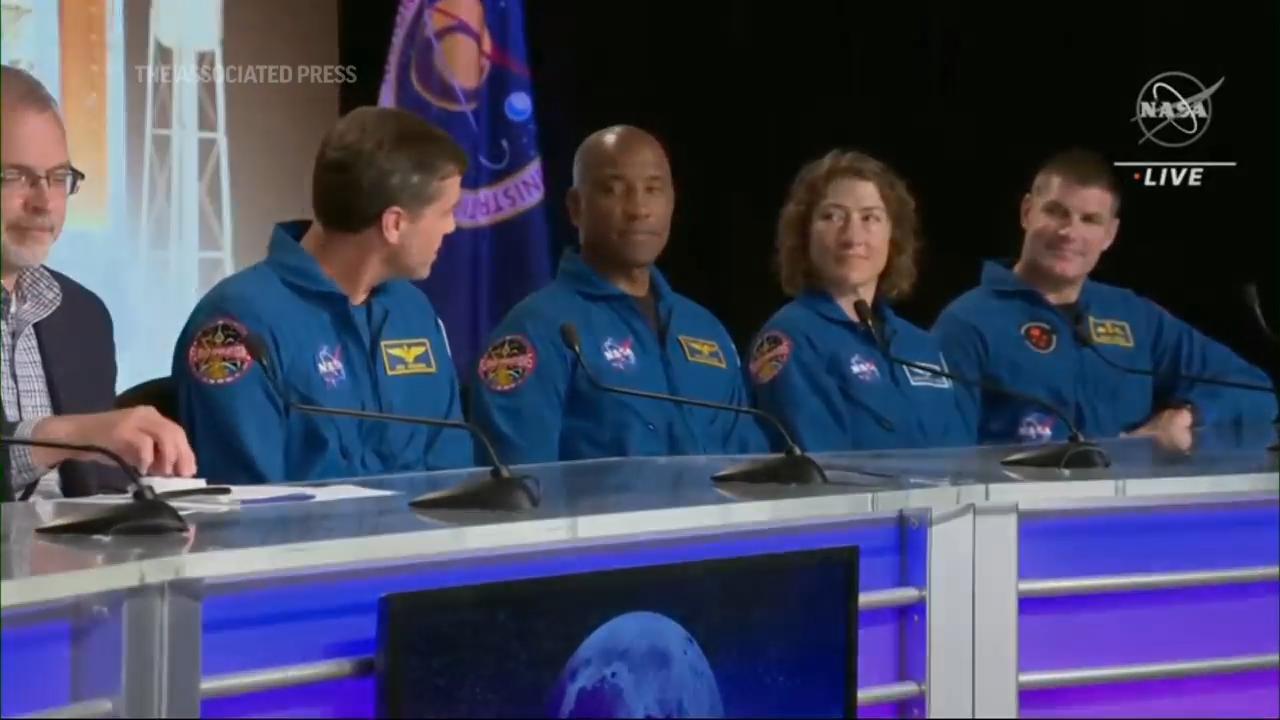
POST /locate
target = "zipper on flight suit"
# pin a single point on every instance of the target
(662, 332)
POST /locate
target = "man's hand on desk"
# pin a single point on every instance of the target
(1170, 428)
(143, 437)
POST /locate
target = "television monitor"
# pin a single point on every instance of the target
(769, 635)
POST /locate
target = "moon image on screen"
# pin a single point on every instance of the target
(637, 665)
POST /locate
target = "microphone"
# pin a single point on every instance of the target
(1082, 337)
(793, 467)
(1077, 453)
(499, 490)
(1251, 297)
(147, 514)
(1255, 303)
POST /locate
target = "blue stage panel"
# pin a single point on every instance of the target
(326, 617)
(1244, 695)
(1171, 625)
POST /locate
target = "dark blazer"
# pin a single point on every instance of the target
(78, 348)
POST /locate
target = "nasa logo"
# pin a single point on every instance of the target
(1036, 427)
(329, 364)
(1174, 109)
(619, 353)
(864, 369)
(449, 64)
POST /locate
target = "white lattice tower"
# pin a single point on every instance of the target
(185, 224)
(15, 20)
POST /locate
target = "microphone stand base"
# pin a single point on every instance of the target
(779, 470)
(145, 516)
(511, 493)
(1071, 455)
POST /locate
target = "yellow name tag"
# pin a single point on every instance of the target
(408, 357)
(706, 352)
(1111, 332)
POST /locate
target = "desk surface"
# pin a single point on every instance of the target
(601, 501)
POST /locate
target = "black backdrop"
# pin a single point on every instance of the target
(963, 101)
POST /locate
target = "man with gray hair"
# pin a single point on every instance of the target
(56, 343)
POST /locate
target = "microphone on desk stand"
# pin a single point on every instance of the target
(146, 514)
(793, 467)
(1076, 453)
(1255, 303)
(500, 489)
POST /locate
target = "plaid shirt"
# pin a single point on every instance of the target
(25, 390)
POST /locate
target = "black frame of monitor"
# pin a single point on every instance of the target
(473, 594)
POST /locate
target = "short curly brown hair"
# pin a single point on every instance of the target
(795, 269)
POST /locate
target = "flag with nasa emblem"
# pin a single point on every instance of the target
(461, 65)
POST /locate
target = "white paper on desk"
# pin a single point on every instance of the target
(246, 496)
(166, 484)
(253, 494)
(120, 499)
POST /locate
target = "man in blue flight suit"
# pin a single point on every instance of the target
(635, 332)
(1025, 327)
(340, 320)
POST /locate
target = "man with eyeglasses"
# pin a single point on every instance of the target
(56, 344)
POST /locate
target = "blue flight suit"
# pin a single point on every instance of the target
(824, 376)
(538, 406)
(389, 354)
(1007, 332)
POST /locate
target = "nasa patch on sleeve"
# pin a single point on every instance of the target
(217, 355)
(508, 363)
(769, 355)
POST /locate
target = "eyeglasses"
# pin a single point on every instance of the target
(64, 180)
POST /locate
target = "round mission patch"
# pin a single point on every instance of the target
(217, 355)
(508, 363)
(769, 355)
(1040, 336)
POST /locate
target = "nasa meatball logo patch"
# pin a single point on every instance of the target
(1040, 336)
(329, 365)
(864, 369)
(508, 363)
(1036, 427)
(620, 354)
(769, 355)
(217, 355)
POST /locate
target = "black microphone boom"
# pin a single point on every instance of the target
(1255, 304)
(1076, 453)
(1251, 297)
(500, 489)
(147, 514)
(793, 467)
(1083, 338)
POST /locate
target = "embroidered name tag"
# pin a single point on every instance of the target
(705, 352)
(922, 378)
(1111, 332)
(408, 357)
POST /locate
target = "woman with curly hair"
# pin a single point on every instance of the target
(849, 232)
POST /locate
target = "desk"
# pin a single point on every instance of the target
(984, 592)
